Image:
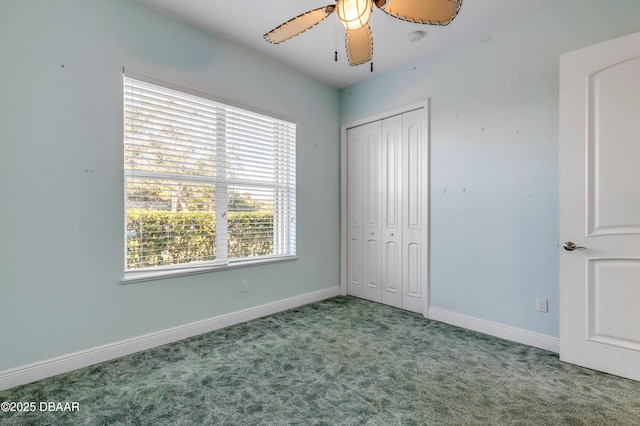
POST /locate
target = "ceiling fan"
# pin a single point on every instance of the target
(355, 14)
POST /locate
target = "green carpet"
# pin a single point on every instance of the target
(343, 361)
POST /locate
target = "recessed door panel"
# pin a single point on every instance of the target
(372, 288)
(355, 180)
(355, 262)
(372, 260)
(392, 176)
(392, 275)
(614, 128)
(414, 270)
(373, 182)
(415, 182)
(612, 301)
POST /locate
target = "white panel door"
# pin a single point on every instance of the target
(414, 209)
(600, 207)
(392, 285)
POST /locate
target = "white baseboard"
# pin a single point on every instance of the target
(502, 331)
(65, 363)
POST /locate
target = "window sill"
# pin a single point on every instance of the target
(150, 275)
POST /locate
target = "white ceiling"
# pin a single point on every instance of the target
(246, 21)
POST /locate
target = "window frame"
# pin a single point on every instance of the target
(221, 191)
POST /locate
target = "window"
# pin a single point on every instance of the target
(206, 184)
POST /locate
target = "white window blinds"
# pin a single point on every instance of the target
(206, 184)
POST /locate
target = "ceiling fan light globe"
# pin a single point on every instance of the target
(354, 14)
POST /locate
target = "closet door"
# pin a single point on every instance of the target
(387, 214)
(392, 211)
(414, 211)
(364, 211)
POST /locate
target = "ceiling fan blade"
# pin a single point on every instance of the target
(434, 12)
(359, 44)
(299, 24)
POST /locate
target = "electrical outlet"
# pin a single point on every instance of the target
(543, 305)
(244, 286)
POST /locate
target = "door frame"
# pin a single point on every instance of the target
(422, 104)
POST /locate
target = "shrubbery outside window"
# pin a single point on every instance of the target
(207, 185)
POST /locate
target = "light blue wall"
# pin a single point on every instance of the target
(493, 167)
(494, 154)
(61, 174)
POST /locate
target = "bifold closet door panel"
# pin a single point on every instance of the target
(392, 211)
(355, 212)
(364, 187)
(372, 211)
(414, 209)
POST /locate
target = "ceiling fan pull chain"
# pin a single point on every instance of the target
(335, 40)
